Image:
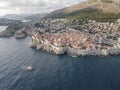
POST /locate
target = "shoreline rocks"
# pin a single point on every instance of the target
(41, 45)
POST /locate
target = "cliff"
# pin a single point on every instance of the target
(75, 43)
(10, 31)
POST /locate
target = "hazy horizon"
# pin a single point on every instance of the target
(33, 6)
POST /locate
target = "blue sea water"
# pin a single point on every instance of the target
(54, 72)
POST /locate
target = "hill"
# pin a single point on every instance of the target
(101, 10)
(24, 16)
(15, 16)
(36, 16)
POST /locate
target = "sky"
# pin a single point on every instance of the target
(33, 6)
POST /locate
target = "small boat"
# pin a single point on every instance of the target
(29, 68)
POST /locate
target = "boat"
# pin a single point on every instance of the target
(29, 68)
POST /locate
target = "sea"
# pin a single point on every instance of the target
(54, 72)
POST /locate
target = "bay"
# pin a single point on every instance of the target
(54, 72)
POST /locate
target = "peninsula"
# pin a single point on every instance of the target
(95, 38)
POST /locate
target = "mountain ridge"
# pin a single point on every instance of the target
(96, 6)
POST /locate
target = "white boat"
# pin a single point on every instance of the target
(29, 68)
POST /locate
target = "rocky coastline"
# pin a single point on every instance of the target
(75, 37)
(59, 45)
(73, 52)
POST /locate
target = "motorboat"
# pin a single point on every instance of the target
(29, 68)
